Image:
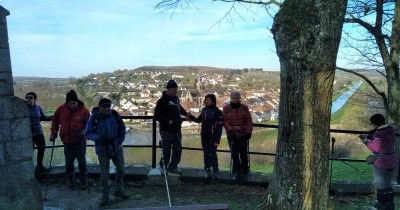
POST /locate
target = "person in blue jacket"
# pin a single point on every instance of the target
(211, 120)
(36, 114)
(107, 129)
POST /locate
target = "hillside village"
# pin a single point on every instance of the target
(139, 97)
(136, 91)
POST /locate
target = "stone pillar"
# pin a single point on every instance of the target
(18, 187)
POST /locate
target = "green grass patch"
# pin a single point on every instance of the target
(351, 171)
(268, 169)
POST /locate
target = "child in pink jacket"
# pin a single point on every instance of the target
(382, 144)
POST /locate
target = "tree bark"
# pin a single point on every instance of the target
(307, 35)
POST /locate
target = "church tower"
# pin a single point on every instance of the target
(199, 84)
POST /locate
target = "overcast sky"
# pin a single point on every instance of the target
(55, 38)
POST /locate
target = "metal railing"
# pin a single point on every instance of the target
(154, 144)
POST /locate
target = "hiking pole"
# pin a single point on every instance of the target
(47, 179)
(248, 157)
(332, 153)
(230, 162)
(353, 167)
(165, 174)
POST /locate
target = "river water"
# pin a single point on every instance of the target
(341, 100)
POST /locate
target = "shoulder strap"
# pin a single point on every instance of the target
(116, 116)
(114, 113)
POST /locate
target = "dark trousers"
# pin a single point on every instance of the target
(209, 153)
(171, 141)
(239, 154)
(118, 160)
(78, 151)
(39, 141)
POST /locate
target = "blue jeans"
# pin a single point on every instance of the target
(171, 141)
(383, 178)
(118, 160)
(78, 151)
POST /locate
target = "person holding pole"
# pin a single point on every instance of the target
(107, 129)
(168, 112)
(239, 126)
(382, 143)
(70, 119)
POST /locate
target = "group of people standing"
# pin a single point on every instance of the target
(235, 117)
(106, 128)
(74, 124)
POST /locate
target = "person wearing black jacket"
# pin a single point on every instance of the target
(211, 129)
(168, 112)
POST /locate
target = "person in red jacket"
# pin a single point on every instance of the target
(239, 126)
(71, 118)
(382, 144)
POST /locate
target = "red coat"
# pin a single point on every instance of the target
(70, 123)
(237, 120)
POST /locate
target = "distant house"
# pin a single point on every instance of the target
(158, 94)
(257, 117)
(145, 93)
(152, 104)
(143, 100)
(271, 115)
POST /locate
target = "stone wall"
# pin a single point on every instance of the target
(18, 187)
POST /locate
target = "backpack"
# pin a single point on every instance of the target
(114, 113)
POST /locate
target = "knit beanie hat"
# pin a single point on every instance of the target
(171, 84)
(71, 96)
(104, 101)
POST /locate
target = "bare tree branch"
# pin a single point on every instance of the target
(265, 3)
(370, 83)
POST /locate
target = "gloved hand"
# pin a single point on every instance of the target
(102, 138)
(53, 137)
(232, 134)
(363, 138)
(247, 136)
(82, 135)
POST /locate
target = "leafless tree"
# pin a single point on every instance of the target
(307, 36)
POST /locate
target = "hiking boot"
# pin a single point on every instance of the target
(84, 186)
(104, 201)
(215, 175)
(72, 180)
(207, 174)
(121, 194)
(175, 171)
(84, 181)
(235, 177)
(245, 177)
(41, 169)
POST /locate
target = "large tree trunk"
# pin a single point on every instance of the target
(391, 62)
(307, 35)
